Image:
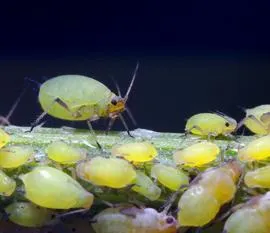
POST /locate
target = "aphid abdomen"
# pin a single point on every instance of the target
(79, 93)
(259, 178)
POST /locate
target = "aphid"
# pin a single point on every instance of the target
(250, 217)
(137, 152)
(81, 98)
(258, 149)
(170, 177)
(211, 124)
(7, 184)
(110, 172)
(28, 215)
(146, 187)
(259, 178)
(207, 193)
(197, 154)
(64, 153)
(15, 156)
(257, 119)
(4, 138)
(50, 188)
(130, 219)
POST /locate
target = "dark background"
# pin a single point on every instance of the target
(195, 56)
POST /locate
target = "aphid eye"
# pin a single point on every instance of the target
(227, 124)
(169, 220)
(113, 102)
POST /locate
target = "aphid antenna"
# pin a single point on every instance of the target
(117, 86)
(32, 81)
(132, 82)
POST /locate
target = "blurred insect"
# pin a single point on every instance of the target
(250, 217)
(258, 178)
(110, 172)
(28, 215)
(14, 156)
(146, 187)
(170, 177)
(51, 188)
(201, 202)
(64, 153)
(131, 219)
(197, 154)
(211, 124)
(81, 98)
(136, 152)
(257, 120)
(7, 184)
(258, 149)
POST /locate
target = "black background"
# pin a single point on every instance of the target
(195, 56)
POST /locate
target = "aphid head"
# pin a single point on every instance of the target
(167, 223)
(230, 124)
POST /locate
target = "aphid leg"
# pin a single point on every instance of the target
(210, 135)
(71, 213)
(111, 122)
(93, 133)
(131, 116)
(125, 125)
(36, 122)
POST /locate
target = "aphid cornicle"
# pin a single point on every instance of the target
(210, 124)
(257, 119)
(81, 98)
(130, 219)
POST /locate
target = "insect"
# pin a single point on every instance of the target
(259, 178)
(63, 153)
(110, 172)
(28, 215)
(250, 217)
(197, 154)
(258, 149)
(50, 188)
(15, 156)
(146, 187)
(131, 219)
(257, 120)
(136, 152)
(211, 124)
(170, 177)
(7, 184)
(81, 98)
(207, 193)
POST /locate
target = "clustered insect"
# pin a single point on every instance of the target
(201, 180)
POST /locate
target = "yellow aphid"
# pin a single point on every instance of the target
(210, 124)
(110, 172)
(129, 219)
(259, 178)
(258, 149)
(15, 156)
(28, 215)
(63, 153)
(197, 154)
(170, 177)
(207, 193)
(50, 188)
(146, 187)
(7, 184)
(4, 138)
(136, 151)
(251, 217)
(257, 119)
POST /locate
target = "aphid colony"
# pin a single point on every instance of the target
(198, 177)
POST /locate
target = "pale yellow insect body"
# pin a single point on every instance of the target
(258, 149)
(197, 154)
(210, 124)
(7, 184)
(128, 219)
(51, 188)
(110, 172)
(137, 152)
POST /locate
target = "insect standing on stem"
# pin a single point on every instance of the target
(81, 98)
